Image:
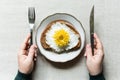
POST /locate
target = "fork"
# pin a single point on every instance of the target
(31, 18)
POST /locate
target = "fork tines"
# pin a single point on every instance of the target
(31, 14)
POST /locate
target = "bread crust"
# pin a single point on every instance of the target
(43, 36)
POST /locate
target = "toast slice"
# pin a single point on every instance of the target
(43, 36)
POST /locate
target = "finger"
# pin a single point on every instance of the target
(35, 54)
(26, 42)
(98, 42)
(32, 52)
(95, 51)
(88, 51)
(95, 43)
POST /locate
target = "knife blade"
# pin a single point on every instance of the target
(92, 29)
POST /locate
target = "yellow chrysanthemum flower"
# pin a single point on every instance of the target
(61, 38)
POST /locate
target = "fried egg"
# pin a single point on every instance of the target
(61, 38)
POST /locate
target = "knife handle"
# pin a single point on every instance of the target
(31, 40)
(92, 43)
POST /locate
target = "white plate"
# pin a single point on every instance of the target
(64, 57)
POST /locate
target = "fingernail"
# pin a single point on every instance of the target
(35, 59)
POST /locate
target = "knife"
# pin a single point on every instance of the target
(92, 29)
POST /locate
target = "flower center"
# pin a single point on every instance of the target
(61, 38)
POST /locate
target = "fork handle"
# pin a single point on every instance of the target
(31, 39)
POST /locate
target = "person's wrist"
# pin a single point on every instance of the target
(96, 71)
(23, 74)
(24, 70)
(99, 76)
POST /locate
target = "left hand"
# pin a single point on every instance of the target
(27, 57)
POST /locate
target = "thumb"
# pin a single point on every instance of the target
(88, 51)
(32, 52)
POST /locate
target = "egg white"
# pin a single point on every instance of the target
(73, 41)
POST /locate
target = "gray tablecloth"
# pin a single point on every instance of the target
(14, 28)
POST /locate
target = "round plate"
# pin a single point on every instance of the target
(63, 57)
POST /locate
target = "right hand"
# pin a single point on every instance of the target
(94, 62)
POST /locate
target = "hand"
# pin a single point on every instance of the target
(26, 56)
(94, 62)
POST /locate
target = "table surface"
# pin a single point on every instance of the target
(14, 27)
